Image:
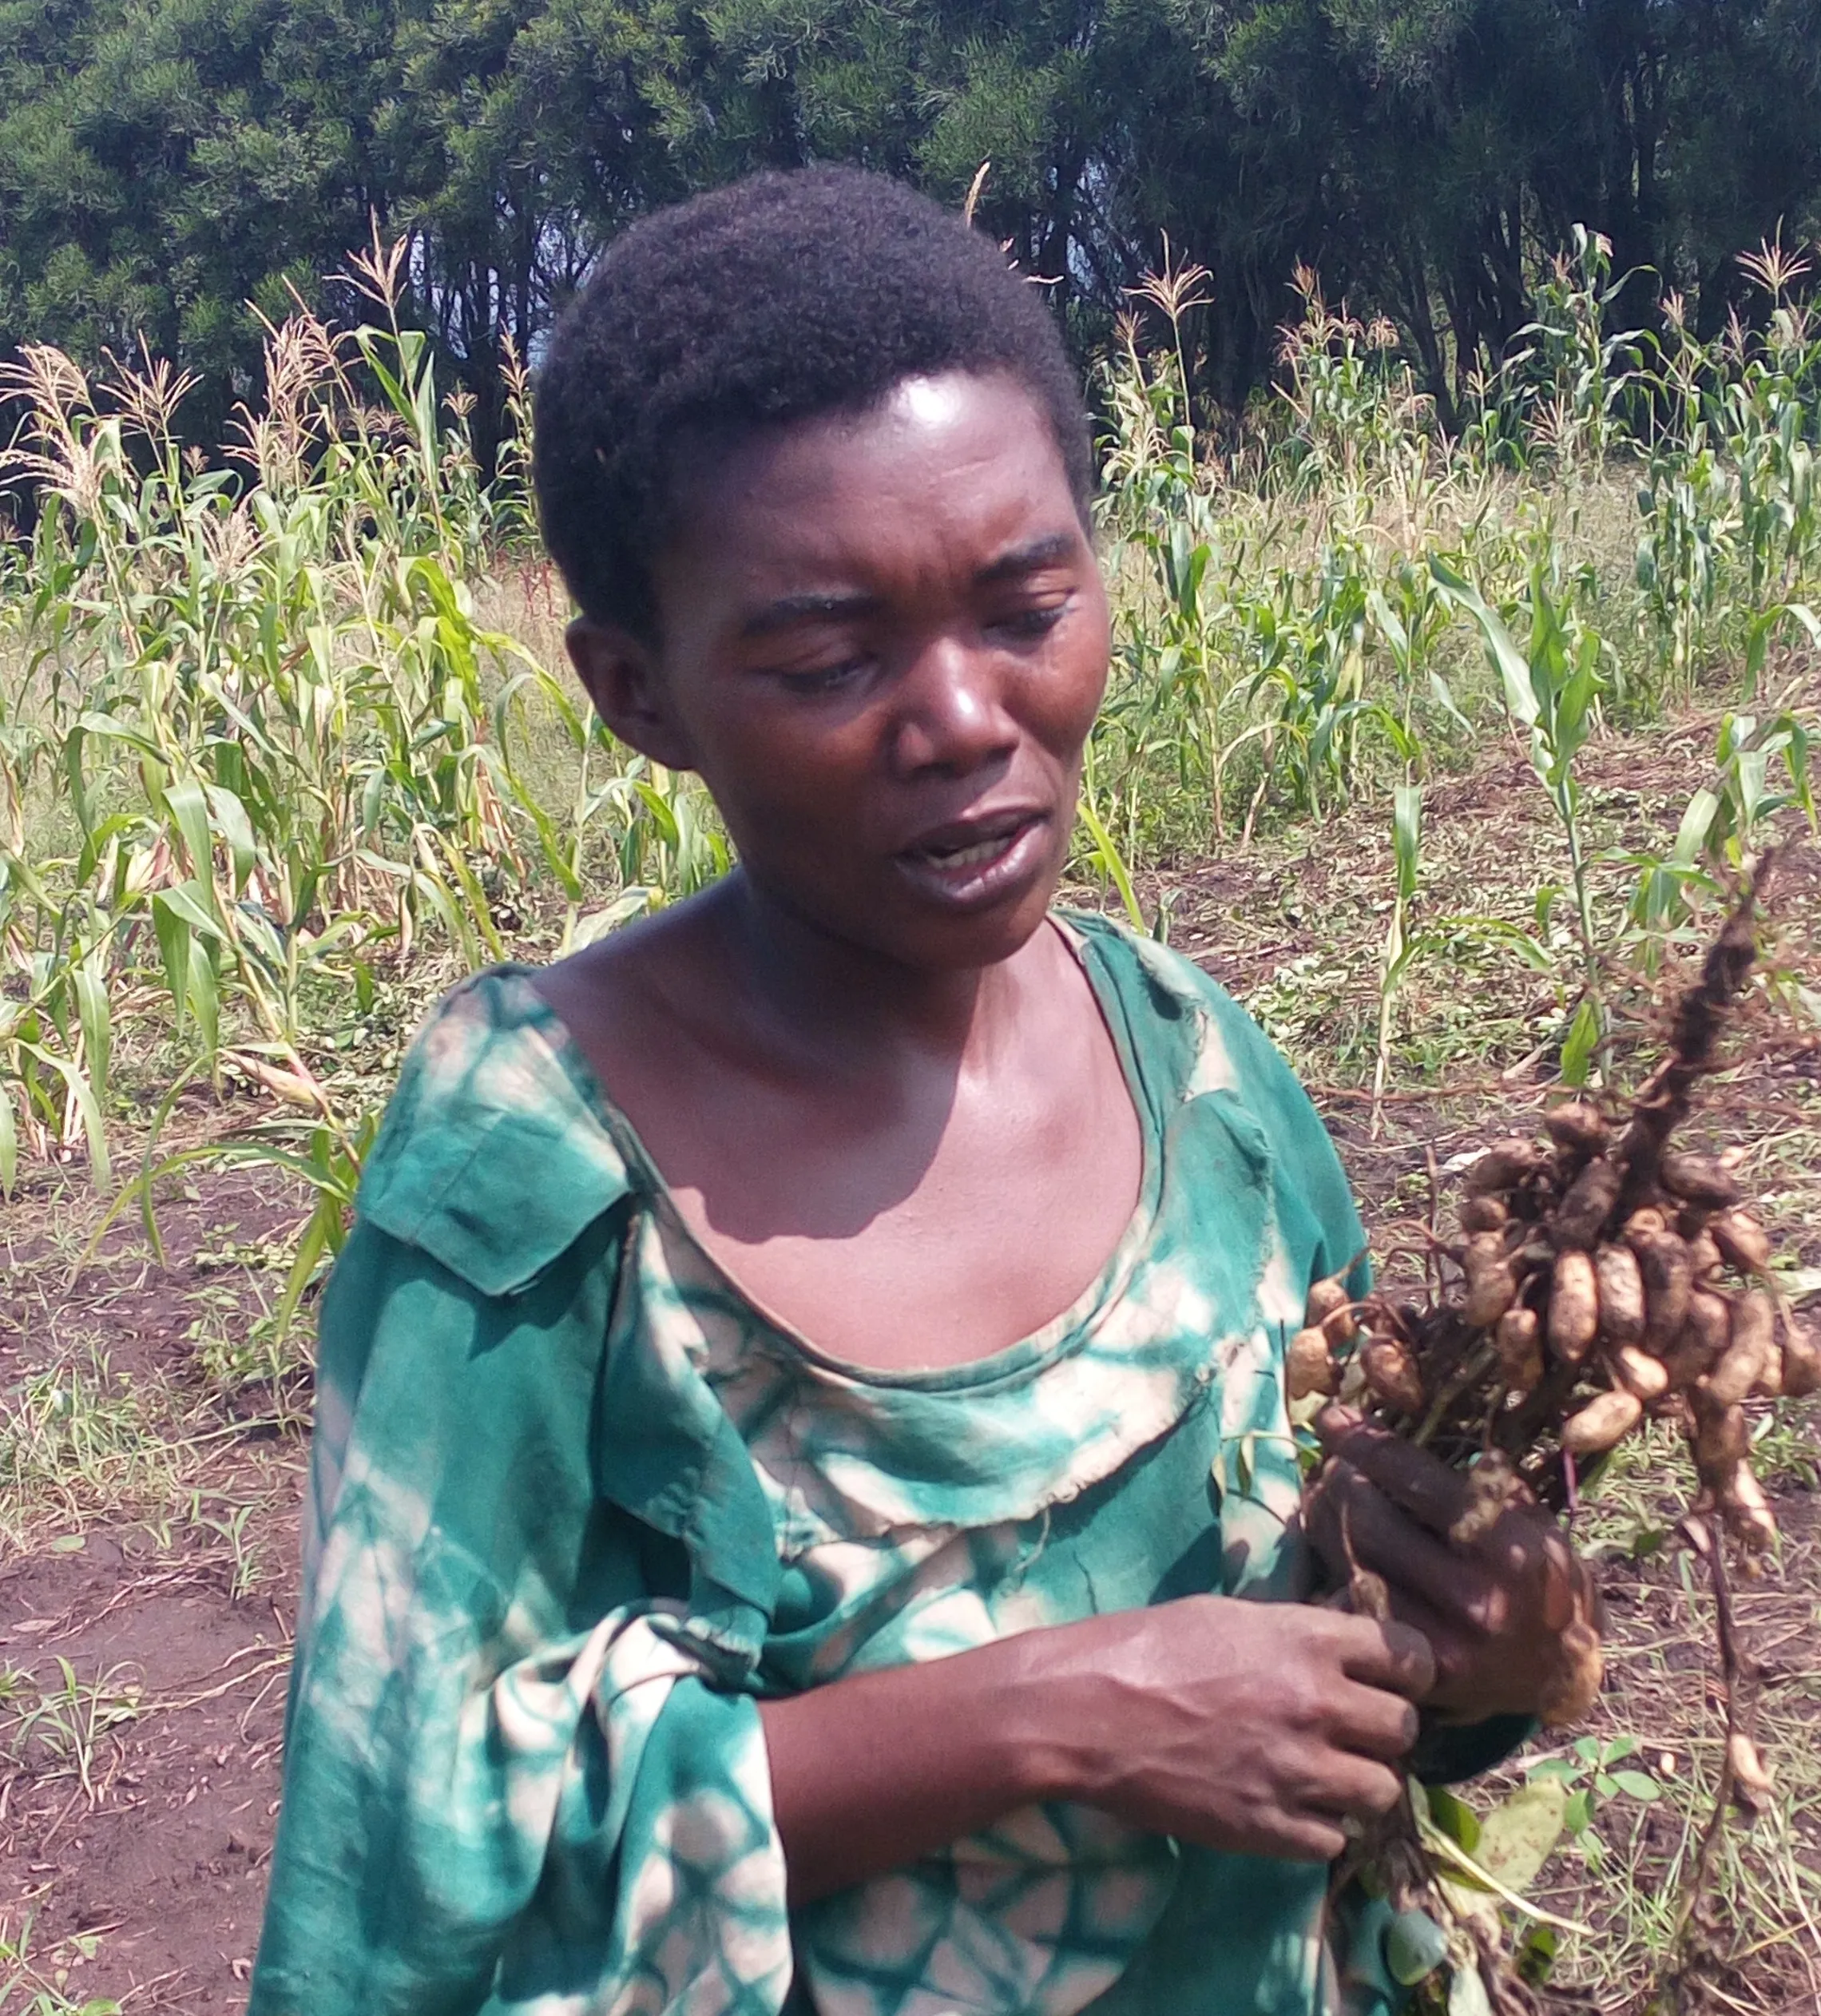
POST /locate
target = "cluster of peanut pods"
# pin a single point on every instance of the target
(1595, 1288)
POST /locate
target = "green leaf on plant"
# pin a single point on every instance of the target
(1455, 1818)
(1517, 1836)
(1535, 1953)
(1583, 1038)
(1415, 1945)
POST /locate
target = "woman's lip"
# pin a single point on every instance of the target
(970, 878)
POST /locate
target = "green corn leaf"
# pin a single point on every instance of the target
(173, 933)
(229, 817)
(1583, 1040)
(1507, 660)
(189, 808)
(82, 1097)
(113, 729)
(205, 1000)
(95, 842)
(185, 899)
(1406, 827)
(663, 816)
(312, 1249)
(1108, 859)
(91, 1012)
(1697, 824)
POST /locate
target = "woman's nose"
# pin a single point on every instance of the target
(952, 714)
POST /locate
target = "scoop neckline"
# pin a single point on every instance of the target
(1015, 1362)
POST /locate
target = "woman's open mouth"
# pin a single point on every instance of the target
(976, 862)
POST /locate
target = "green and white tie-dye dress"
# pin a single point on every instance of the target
(575, 1503)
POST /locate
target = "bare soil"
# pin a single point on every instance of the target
(153, 1845)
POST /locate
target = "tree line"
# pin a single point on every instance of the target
(166, 163)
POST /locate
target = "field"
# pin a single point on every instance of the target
(1439, 752)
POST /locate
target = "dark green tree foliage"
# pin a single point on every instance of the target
(163, 163)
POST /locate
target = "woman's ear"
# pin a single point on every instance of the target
(622, 677)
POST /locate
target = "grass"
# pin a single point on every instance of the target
(32, 1983)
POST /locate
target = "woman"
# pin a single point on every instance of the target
(803, 1511)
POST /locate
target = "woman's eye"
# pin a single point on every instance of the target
(1034, 622)
(824, 679)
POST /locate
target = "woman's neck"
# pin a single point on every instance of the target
(845, 1005)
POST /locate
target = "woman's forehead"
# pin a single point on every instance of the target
(957, 456)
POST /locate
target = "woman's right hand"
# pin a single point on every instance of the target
(1249, 1726)
(1256, 1727)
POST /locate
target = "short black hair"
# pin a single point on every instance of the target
(776, 298)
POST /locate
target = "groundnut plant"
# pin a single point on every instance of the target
(1601, 1276)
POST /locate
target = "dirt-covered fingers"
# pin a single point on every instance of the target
(1355, 1787)
(1432, 1494)
(1388, 1660)
(1513, 1620)
(1353, 1523)
(1372, 1723)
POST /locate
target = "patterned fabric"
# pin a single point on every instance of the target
(576, 1504)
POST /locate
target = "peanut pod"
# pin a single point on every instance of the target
(1483, 1214)
(1721, 1439)
(1746, 1357)
(1704, 1336)
(1578, 1128)
(1662, 1263)
(1705, 1258)
(1700, 1179)
(1581, 1216)
(1752, 1779)
(1801, 1359)
(1492, 1281)
(1520, 1352)
(1325, 1298)
(1747, 1512)
(1493, 1487)
(1391, 1372)
(1341, 1327)
(1602, 1422)
(1621, 1295)
(1504, 1166)
(1574, 1306)
(1307, 1365)
(1742, 1242)
(1638, 1373)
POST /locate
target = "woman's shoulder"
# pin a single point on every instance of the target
(1182, 1021)
(495, 1152)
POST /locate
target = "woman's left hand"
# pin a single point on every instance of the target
(1497, 1611)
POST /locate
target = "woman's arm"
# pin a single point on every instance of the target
(1247, 1726)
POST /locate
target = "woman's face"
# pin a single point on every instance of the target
(884, 640)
